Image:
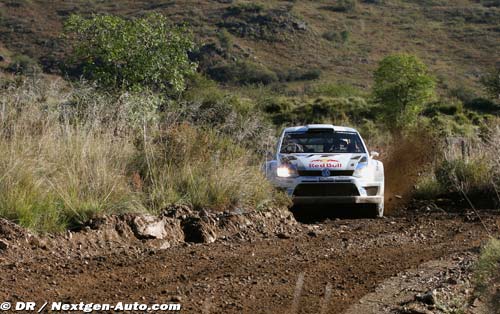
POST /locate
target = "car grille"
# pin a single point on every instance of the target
(326, 189)
(318, 173)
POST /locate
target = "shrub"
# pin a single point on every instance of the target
(245, 7)
(202, 169)
(317, 110)
(466, 175)
(330, 35)
(448, 108)
(345, 36)
(299, 75)
(342, 6)
(22, 64)
(490, 3)
(482, 105)
(341, 37)
(403, 86)
(132, 54)
(243, 72)
(428, 188)
(225, 39)
(486, 275)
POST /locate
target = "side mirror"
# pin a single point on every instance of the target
(374, 154)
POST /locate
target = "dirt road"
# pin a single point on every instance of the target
(278, 274)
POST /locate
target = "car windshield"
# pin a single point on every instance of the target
(319, 142)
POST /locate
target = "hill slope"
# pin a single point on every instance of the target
(459, 40)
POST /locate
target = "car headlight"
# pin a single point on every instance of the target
(362, 171)
(286, 172)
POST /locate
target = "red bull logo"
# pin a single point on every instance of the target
(325, 163)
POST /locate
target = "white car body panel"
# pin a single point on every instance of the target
(329, 177)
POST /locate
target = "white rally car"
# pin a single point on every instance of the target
(327, 164)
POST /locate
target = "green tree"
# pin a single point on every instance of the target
(131, 54)
(403, 86)
(491, 83)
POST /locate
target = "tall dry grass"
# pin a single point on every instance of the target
(71, 152)
(471, 167)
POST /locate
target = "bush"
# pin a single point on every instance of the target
(245, 7)
(486, 275)
(467, 175)
(132, 54)
(342, 6)
(292, 75)
(341, 37)
(22, 64)
(403, 86)
(428, 188)
(447, 108)
(317, 110)
(482, 105)
(202, 169)
(243, 72)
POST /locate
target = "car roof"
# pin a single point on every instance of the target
(305, 128)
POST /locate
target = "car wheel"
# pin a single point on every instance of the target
(375, 210)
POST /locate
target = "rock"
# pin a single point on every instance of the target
(165, 245)
(149, 227)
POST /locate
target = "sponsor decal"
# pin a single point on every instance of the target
(325, 163)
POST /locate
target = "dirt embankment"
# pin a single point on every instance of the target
(268, 264)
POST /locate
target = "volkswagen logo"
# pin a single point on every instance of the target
(325, 173)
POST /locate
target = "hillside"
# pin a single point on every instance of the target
(340, 40)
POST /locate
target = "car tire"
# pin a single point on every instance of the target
(375, 210)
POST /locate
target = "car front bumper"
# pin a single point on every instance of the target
(312, 200)
(335, 190)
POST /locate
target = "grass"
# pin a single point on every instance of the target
(487, 275)
(468, 166)
(72, 152)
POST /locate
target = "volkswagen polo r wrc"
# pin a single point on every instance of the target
(327, 164)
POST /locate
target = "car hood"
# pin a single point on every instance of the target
(342, 161)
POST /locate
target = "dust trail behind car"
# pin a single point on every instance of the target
(405, 160)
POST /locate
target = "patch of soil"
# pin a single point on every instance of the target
(255, 265)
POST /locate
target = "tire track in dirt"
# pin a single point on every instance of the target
(351, 257)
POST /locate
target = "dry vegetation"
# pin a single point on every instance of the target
(71, 152)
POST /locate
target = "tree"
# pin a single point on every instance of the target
(491, 83)
(131, 54)
(403, 86)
